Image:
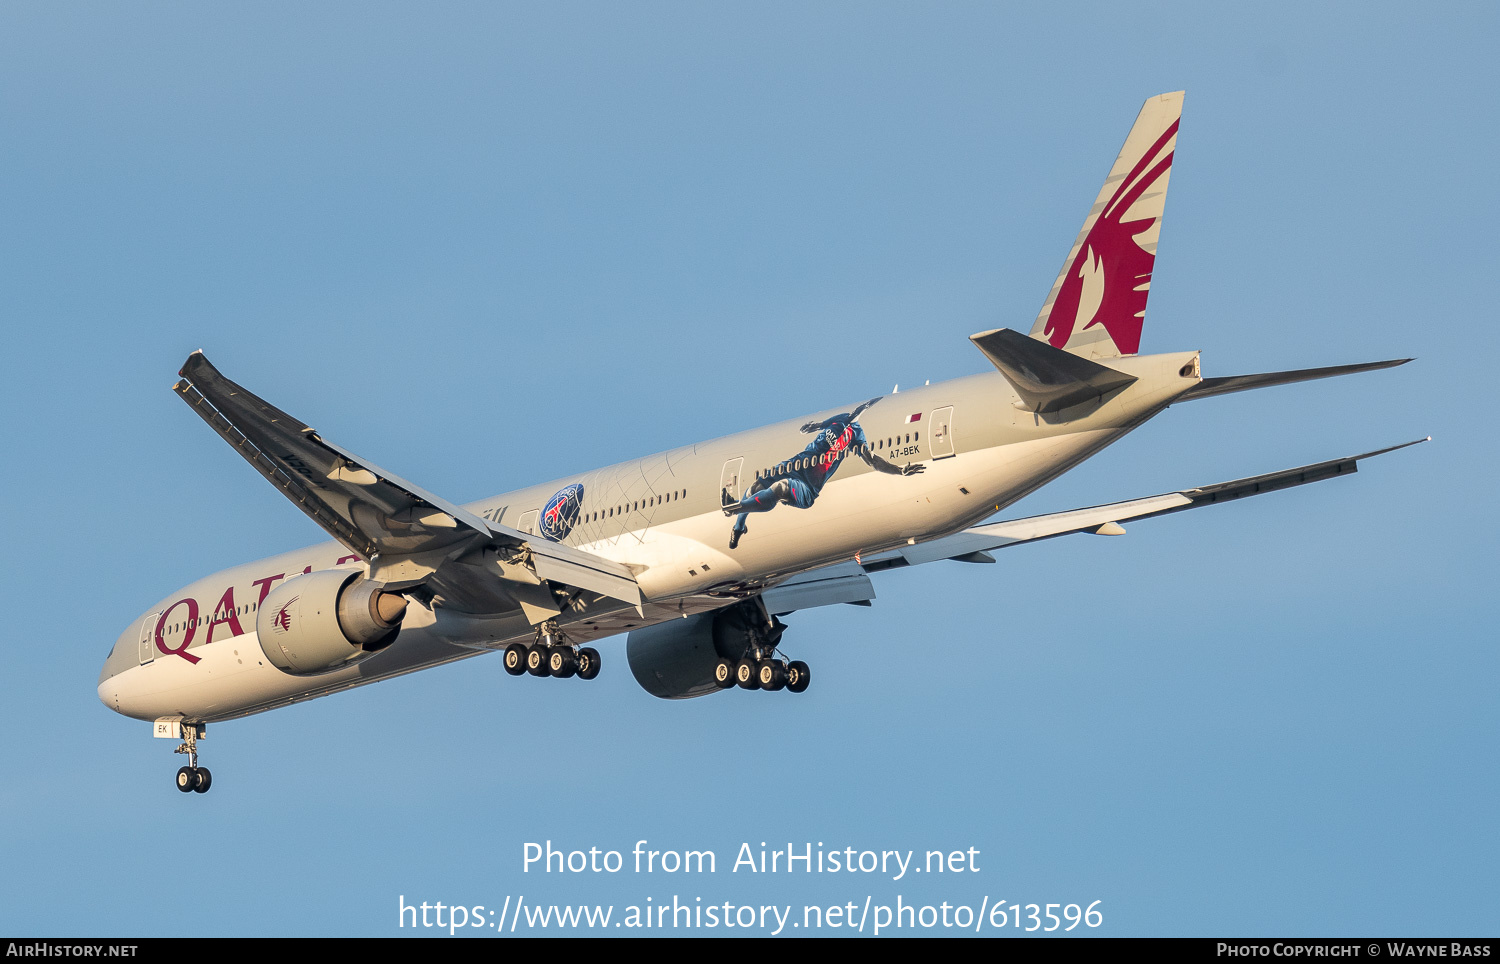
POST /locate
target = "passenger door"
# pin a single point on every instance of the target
(731, 486)
(940, 435)
(146, 649)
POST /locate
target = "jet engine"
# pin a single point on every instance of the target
(320, 621)
(676, 660)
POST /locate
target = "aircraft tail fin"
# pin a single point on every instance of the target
(1098, 303)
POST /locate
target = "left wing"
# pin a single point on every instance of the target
(409, 536)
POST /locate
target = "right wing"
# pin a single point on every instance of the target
(972, 545)
(848, 582)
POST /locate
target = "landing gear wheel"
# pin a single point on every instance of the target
(771, 674)
(745, 674)
(515, 659)
(204, 780)
(588, 662)
(724, 674)
(561, 662)
(797, 676)
(536, 660)
(186, 780)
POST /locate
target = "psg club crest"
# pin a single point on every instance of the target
(561, 514)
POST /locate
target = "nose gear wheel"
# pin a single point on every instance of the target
(192, 778)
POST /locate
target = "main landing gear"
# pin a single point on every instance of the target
(758, 667)
(768, 673)
(192, 778)
(552, 655)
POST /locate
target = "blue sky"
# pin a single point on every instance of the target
(487, 245)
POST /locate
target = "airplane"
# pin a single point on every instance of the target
(695, 553)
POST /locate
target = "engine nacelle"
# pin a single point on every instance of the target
(320, 621)
(675, 659)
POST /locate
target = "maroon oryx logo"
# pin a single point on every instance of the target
(1112, 263)
(283, 619)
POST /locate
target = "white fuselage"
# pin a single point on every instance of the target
(195, 656)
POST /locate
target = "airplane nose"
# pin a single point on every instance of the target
(109, 693)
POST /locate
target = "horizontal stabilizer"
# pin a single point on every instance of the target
(1243, 383)
(1048, 379)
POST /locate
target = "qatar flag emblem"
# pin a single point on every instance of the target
(914, 418)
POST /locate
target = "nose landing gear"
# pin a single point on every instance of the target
(192, 778)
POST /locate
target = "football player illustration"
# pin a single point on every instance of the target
(798, 480)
